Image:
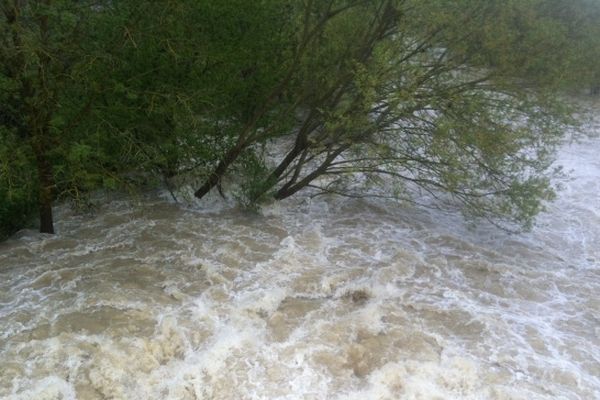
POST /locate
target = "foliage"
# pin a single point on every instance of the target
(129, 93)
(459, 100)
(427, 95)
(17, 199)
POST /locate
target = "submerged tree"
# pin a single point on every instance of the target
(457, 99)
(454, 98)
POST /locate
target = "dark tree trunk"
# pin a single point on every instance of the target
(292, 187)
(274, 176)
(46, 192)
(46, 219)
(285, 163)
(214, 179)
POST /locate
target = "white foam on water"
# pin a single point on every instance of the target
(48, 388)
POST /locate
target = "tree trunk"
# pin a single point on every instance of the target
(222, 167)
(292, 187)
(274, 176)
(46, 219)
(46, 192)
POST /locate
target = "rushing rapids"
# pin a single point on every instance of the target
(323, 299)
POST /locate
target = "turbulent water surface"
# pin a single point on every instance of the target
(322, 299)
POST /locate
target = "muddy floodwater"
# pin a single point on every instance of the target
(327, 298)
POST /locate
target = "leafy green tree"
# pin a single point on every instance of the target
(457, 99)
(37, 56)
(126, 93)
(17, 196)
(580, 21)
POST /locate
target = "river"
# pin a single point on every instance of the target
(327, 298)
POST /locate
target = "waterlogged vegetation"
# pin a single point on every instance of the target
(460, 100)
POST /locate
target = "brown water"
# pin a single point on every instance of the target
(328, 299)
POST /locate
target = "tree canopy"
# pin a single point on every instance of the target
(461, 100)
